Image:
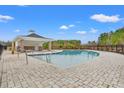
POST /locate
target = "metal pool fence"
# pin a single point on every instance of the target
(110, 48)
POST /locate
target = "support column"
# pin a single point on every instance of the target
(22, 45)
(13, 47)
(50, 46)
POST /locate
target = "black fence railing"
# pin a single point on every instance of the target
(1, 50)
(110, 48)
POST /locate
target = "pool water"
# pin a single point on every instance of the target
(68, 58)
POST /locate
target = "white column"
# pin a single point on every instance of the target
(13, 47)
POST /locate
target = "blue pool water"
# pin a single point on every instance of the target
(68, 58)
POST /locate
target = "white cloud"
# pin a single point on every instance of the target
(64, 27)
(5, 18)
(17, 30)
(71, 25)
(93, 30)
(81, 32)
(23, 5)
(105, 18)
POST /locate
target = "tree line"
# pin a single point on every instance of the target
(63, 44)
(112, 38)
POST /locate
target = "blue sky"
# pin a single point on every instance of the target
(60, 22)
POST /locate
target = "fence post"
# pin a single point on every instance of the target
(100, 48)
(97, 47)
(111, 48)
(116, 49)
(123, 49)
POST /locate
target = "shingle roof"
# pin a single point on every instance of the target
(36, 36)
(33, 37)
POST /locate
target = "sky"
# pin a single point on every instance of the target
(79, 22)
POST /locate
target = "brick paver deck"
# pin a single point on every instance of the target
(105, 71)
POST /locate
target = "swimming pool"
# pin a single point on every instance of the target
(68, 58)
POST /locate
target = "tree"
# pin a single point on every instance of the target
(92, 43)
(64, 44)
(112, 38)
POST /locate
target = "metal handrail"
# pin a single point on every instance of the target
(1, 51)
(26, 57)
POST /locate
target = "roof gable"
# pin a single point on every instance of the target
(35, 35)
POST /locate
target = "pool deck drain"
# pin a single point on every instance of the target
(106, 71)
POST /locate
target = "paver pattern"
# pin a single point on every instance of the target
(106, 71)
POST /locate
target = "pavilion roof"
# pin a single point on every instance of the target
(33, 37)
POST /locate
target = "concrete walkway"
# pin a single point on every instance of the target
(105, 71)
